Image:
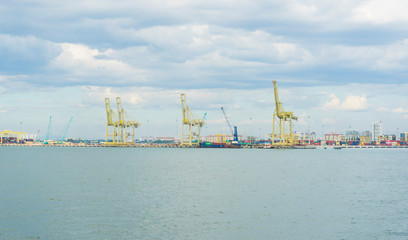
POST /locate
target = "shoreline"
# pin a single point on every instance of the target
(178, 146)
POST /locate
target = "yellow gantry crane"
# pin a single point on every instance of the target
(280, 117)
(112, 124)
(117, 126)
(190, 127)
(6, 134)
(125, 124)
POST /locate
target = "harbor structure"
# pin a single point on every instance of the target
(404, 137)
(234, 131)
(117, 127)
(282, 136)
(190, 125)
(352, 135)
(221, 138)
(334, 138)
(8, 136)
(303, 138)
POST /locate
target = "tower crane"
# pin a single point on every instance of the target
(191, 136)
(66, 130)
(48, 132)
(233, 132)
(280, 117)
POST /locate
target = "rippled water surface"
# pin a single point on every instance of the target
(135, 193)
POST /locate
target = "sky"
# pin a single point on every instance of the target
(338, 65)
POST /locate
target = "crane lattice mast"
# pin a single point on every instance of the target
(191, 135)
(66, 130)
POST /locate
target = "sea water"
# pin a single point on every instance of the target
(154, 193)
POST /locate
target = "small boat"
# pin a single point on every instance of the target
(337, 148)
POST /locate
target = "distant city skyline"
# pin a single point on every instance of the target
(338, 65)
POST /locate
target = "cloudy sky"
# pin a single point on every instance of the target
(339, 65)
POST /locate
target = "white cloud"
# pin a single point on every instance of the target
(333, 103)
(354, 103)
(151, 97)
(25, 53)
(81, 60)
(399, 110)
(329, 121)
(380, 12)
(351, 103)
(303, 119)
(206, 43)
(2, 111)
(393, 56)
(382, 109)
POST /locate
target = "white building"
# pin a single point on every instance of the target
(301, 136)
(377, 130)
(220, 138)
(334, 137)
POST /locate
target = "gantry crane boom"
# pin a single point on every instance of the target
(280, 112)
(111, 124)
(185, 109)
(110, 114)
(123, 117)
(277, 103)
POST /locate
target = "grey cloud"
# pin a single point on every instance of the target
(22, 55)
(191, 44)
(91, 24)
